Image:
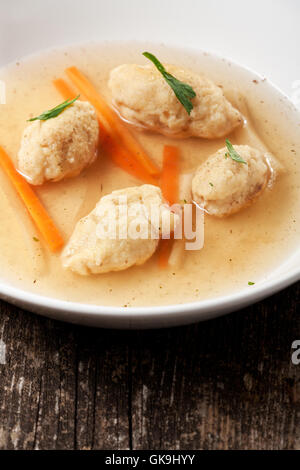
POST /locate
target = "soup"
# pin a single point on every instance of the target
(239, 251)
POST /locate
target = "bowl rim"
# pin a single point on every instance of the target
(208, 308)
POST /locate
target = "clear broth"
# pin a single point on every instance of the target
(245, 247)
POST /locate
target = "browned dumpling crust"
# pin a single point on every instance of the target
(142, 97)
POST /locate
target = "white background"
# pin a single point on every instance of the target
(261, 34)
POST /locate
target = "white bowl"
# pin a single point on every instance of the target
(136, 317)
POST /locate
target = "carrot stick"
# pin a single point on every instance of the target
(125, 161)
(64, 89)
(165, 248)
(111, 121)
(38, 213)
(170, 174)
(111, 147)
(170, 190)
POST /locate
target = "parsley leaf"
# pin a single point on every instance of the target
(52, 113)
(183, 92)
(250, 283)
(233, 153)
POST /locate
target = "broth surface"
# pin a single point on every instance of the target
(241, 248)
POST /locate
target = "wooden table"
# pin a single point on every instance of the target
(224, 384)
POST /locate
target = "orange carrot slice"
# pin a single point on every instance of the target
(170, 174)
(38, 213)
(64, 89)
(125, 161)
(170, 191)
(110, 120)
(112, 148)
(164, 251)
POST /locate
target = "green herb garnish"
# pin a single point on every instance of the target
(35, 239)
(184, 92)
(233, 153)
(211, 185)
(250, 283)
(52, 113)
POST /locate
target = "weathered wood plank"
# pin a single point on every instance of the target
(62, 387)
(102, 420)
(224, 384)
(35, 383)
(227, 383)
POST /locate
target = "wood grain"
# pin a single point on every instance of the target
(224, 384)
